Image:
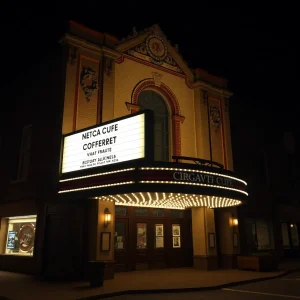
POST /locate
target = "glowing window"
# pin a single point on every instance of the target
(20, 235)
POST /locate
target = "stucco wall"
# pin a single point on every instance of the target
(118, 89)
(129, 73)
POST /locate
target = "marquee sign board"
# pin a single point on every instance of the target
(112, 142)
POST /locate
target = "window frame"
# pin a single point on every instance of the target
(169, 149)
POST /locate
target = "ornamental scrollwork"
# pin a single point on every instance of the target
(215, 117)
(88, 82)
(156, 77)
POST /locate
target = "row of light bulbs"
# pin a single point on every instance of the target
(170, 200)
(194, 183)
(98, 174)
(152, 168)
(194, 171)
(95, 187)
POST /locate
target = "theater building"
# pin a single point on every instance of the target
(126, 158)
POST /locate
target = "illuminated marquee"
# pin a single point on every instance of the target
(203, 178)
(107, 144)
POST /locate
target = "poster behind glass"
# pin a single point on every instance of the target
(141, 235)
(176, 242)
(159, 235)
(11, 240)
(176, 235)
(176, 230)
(20, 237)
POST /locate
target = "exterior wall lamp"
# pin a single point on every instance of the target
(107, 217)
(235, 222)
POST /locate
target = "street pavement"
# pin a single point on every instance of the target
(287, 287)
(152, 284)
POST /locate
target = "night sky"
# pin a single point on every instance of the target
(253, 47)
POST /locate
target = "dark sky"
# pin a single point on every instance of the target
(253, 47)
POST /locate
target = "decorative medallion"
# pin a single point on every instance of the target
(154, 50)
(26, 237)
(215, 117)
(156, 47)
(88, 82)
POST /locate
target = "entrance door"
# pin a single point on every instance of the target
(152, 238)
(142, 243)
(150, 244)
(121, 244)
(176, 244)
(158, 238)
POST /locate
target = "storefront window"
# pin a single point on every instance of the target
(294, 235)
(263, 235)
(20, 235)
(259, 235)
(159, 235)
(141, 235)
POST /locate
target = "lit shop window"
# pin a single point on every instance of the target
(294, 235)
(290, 235)
(141, 235)
(176, 236)
(159, 235)
(20, 235)
(259, 235)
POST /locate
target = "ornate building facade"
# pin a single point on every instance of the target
(173, 208)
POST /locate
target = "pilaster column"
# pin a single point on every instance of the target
(229, 241)
(204, 238)
(97, 227)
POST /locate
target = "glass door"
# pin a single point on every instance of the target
(121, 244)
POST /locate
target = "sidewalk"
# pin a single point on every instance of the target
(22, 287)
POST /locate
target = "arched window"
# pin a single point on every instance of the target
(151, 100)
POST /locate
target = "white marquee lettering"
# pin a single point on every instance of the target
(118, 141)
(203, 178)
(175, 175)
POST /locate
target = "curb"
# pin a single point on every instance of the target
(186, 290)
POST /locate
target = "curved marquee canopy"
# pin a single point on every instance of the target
(165, 185)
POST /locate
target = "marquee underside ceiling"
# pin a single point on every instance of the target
(170, 200)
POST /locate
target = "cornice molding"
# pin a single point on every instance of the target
(128, 44)
(81, 43)
(209, 87)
